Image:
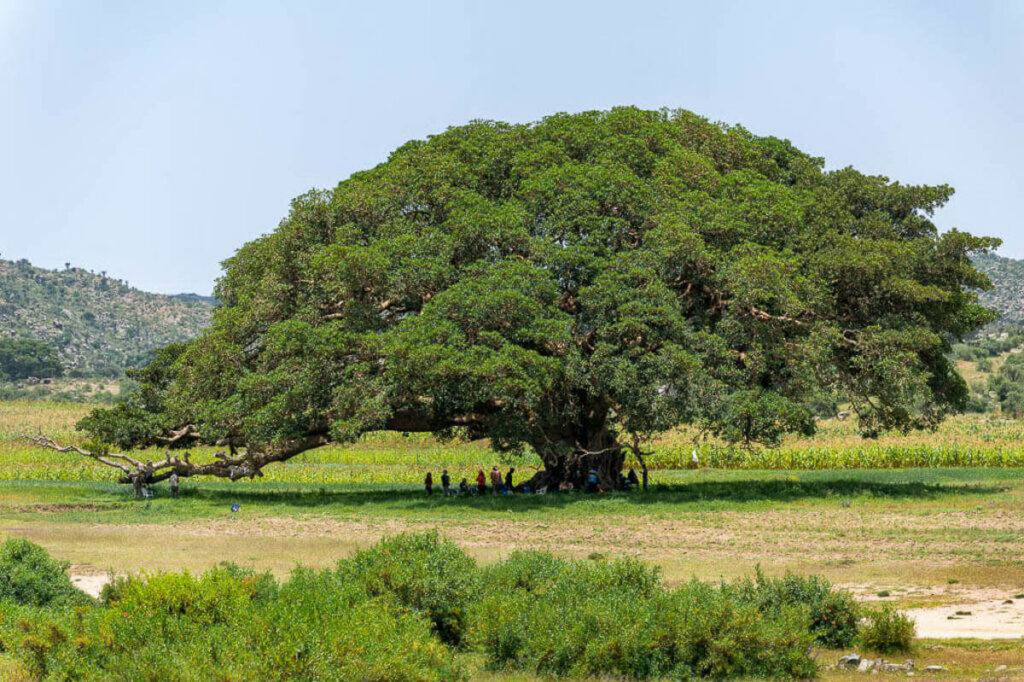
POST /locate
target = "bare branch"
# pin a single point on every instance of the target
(246, 464)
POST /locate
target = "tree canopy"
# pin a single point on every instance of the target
(573, 286)
(24, 358)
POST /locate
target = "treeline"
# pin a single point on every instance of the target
(409, 608)
(25, 358)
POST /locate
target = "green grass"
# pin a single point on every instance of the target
(673, 493)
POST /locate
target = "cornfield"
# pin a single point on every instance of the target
(965, 441)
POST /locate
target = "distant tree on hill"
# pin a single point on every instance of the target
(24, 358)
(575, 286)
(1008, 385)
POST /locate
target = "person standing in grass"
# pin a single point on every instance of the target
(428, 483)
(173, 480)
(508, 479)
(481, 482)
(496, 480)
(446, 483)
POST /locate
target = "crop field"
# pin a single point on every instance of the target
(928, 522)
(391, 458)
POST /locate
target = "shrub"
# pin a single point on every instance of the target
(530, 571)
(614, 618)
(423, 572)
(833, 614)
(30, 577)
(888, 630)
(227, 625)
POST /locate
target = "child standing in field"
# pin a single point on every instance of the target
(496, 480)
(428, 483)
(481, 482)
(174, 484)
(446, 483)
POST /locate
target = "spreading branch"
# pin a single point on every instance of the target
(248, 463)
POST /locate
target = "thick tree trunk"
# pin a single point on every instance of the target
(572, 464)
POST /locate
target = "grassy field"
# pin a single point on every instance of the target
(920, 536)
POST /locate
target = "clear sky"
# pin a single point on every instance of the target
(151, 139)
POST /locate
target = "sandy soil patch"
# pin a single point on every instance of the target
(986, 616)
(92, 585)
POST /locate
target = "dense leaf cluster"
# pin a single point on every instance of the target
(564, 283)
(24, 358)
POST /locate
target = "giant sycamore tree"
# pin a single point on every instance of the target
(571, 287)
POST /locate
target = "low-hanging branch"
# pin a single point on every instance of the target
(248, 463)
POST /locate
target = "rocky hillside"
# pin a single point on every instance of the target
(98, 325)
(1007, 274)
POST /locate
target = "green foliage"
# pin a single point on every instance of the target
(614, 618)
(424, 572)
(381, 616)
(833, 614)
(560, 284)
(1008, 385)
(888, 631)
(30, 577)
(229, 625)
(24, 358)
(142, 416)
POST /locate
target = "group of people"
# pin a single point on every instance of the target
(505, 486)
(499, 485)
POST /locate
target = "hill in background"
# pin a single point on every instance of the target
(98, 325)
(1007, 274)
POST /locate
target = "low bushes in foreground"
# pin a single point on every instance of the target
(230, 625)
(28, 575)
(403, 609)
(575, 618)
(888, 631)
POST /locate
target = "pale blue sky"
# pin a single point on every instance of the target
(151, 139)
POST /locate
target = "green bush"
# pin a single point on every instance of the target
(888, 631)
(614, 618)
(230, 625)
(387, 613)
(531, 571)
(30, 577)
(833, 614)
(423, 572)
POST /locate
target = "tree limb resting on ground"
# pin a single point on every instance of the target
(247, 463)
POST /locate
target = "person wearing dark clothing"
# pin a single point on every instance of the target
(508, 479)
(463, 487)
(481, 482)
(496, 480)
(428, 483)
(632, 479)
(446, 483)
(592, 480)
